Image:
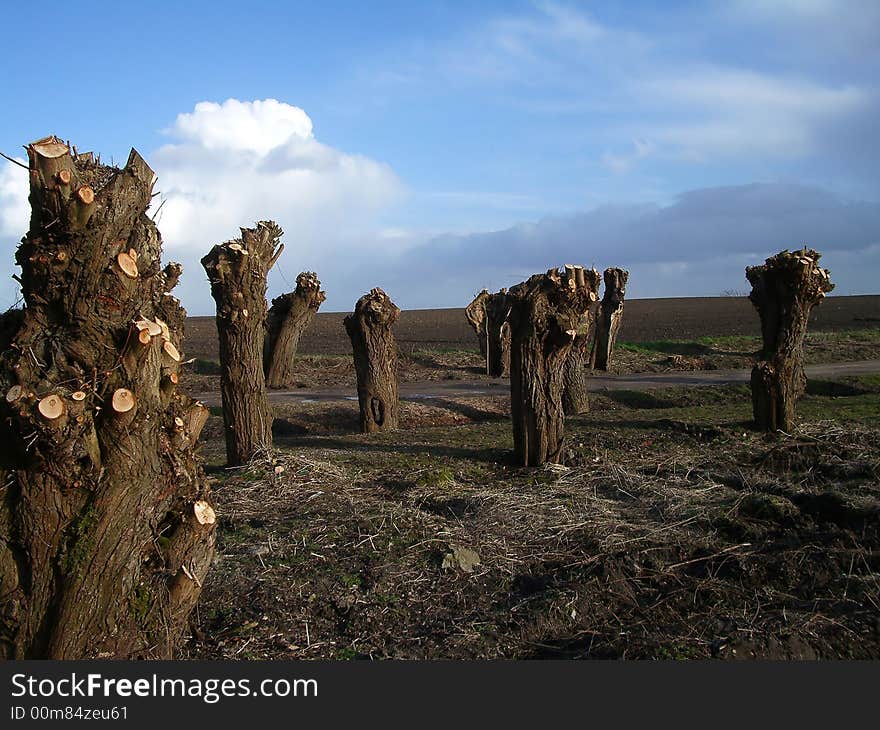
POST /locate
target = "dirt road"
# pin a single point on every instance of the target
(638, 381)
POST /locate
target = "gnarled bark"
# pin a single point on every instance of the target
(497, 308)
(106, 527)
(609, 319)
(475, 312)
(544, 316)
(575, 396)
(237, 271)
(784, 291)
(288, 318)
(505, 349)
(375, 360)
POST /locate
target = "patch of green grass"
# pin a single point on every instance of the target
(386, 599)
(871, 335)
(744, 344)
(677, 652)
(667, 347)
(350, 580)
(439, 478)
(732, 344)
(868, 382)
(859, 408)
(201, 366)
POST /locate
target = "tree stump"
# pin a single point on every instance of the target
(289, 316)
(545, 313)
(497, 308)
(609, 319)
(505, 350)
(475, 312)
(575, 395)
(784, 291)
(106, 526)
(375, 360)
(237, 271)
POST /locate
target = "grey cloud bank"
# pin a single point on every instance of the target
(697, 246)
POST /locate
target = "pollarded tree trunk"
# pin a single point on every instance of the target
(545, 313)
(237, 271)
(375, 360)
(497, 308)
(610, 318)
(475, 312)
(784, 291)
(288, 318)
(106, 526)
(575, 395)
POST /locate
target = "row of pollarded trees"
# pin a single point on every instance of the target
(257, 343)
(546, 317)
(544, 324)
(551, 316)
(106, 521)
(488, 314)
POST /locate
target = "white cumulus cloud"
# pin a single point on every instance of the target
(14, 209)
(231, 164)
(258, 126)
(14, 214)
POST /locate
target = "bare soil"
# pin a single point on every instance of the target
(674, 532)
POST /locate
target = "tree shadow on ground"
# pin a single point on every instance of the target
(671, 424)
(470, 412)
(337, 421)
(489, 455)
(638, 399)
(833, 389)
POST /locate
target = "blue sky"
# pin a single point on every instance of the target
(434, 148)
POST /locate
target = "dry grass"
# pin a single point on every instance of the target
(665, 539)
